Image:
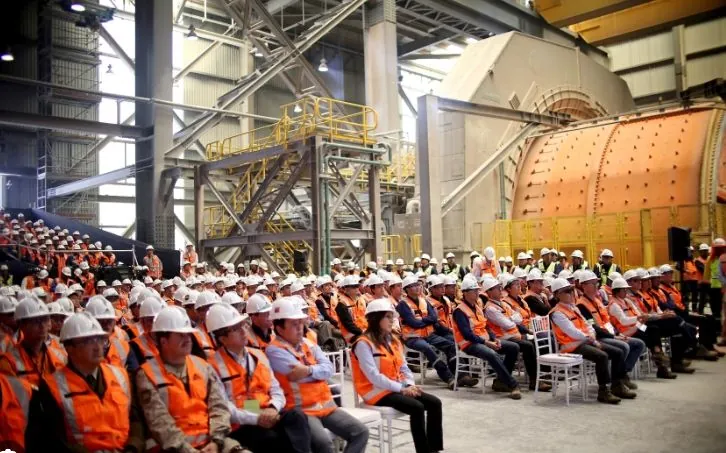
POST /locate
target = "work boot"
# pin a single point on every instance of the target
(468, 381)
(604, 396)
(451, 384)
(629, 384)
(621, 391)
(720, 353)
(682, 368)
(705, 354)
(499, 386)
(543, 386)
(515, 394)
(665, 373)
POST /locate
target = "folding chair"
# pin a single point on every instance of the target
(473, 366)
(388, 414)
(418, 360)
(567, 367)
(644, 361)
(336, 384)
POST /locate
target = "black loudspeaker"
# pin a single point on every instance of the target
(300, 261)
(679, 239)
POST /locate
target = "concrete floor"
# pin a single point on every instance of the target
(684, 415)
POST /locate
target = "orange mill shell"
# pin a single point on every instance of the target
(634, 162)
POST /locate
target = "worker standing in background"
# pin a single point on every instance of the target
(523, 261)
(546, 264)
(70, 419)
(180, 394)
(190, 256)
(689, 280)
(704, 285)
(606, 266)
(711, 274)
(450, 267)
(153, 263)
(302, 369)
(382, 378)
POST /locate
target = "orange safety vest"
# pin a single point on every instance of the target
(675, 295)
(690, 271)
(701, 275)
(389, 363)
(96, 423)
(60, 263)
(20, 364)
(7, 339)
(488, 267)
(649, 302)
(241, 384)
(256, 341)
(314, 398)
(331, 307)
(204, 340)
(89, 287)
(567, 343)
(118, 352)
(311, 335)
(15, 397)
(420, 311)
(477, 323)
(133, 329)
(357, 309)
(508, 311)
(629, 311)
(190, 257)
(444, 310)
(657, 296)
(597, 309)
(313, 311)
(154, 265)
(28, 282)
(188, 408)
(147, 348)
(520, 305)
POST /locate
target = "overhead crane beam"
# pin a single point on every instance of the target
(641, 19)
(562, 13)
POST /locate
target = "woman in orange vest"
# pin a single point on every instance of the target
(255, 399)
(87, 406)
(15, 395)
(382, 378)
(575, 335)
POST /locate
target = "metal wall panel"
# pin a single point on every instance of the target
(204, 91)
(224, 61)
(651, 81)
(706, 35)
(707, 68)
(641, 51)
(75, 75)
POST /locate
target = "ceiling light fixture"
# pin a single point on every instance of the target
(323, 65)
(192, 34)
(297, 108)
(77, 7)
(7, 55)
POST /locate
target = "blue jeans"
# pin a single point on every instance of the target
(429, 345)
(504, 368)
(632, 350)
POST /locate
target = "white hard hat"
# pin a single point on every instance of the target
(554, 251)
(108, 248)
(7, 305)
(66, 305)
(86, 236)
(508, 259)
(489, 253)
(558, 284)
(231, 298)
(230, 267)
(116, 283)
(351, 280)
(450, 255)
(148, 280)
(257, 303)
(206, 298)
(372, 265)
(76, 288)
(336, 261)
(704, 247)
(577, 254)
(297, 285)
(166, 283)
(620, 283)
(100, 308)
(149, 247)
(410, 280)
(566, 274)
(172, 319)
(101, 284)
(613, 275)
(469, 284)
(286, 308)
(519, 273)
(66, 271)
(586, 276)
(393, 279)
(379, 305)
(535, 274)
(719, 242)
(286, 282)
(263, 265)
(181, 295)
(666, 268)
(322, 280)
(449, 279)
(252, 280)
(81, 325)
(630, 274)
(373, 280)
(268, 281)
(351, 265)
(39, 292)
(544, 251)
(84, 265)
(254, 263)
(151, 307)
(425, 256)
(503, 278)
(434, 280)
(416, 260)
(522, 256)
(98, 244)
(400, 262)
(607, 252)
(126, 281)
(110, 292)
(642, 273)
(489, 283)
(29, 308)
(242, 265)
(389, 262)
(222, 315)
(473, 254)
(156, 282)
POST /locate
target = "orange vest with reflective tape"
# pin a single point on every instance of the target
(420, 311)
(629, 311)
(520, 306)
(508, 311)
(477, 323)
(357, 309)
(690, 271)
(93, 422)
(118, 351)
(701, 275)
(444, 310)
(22, 366)
(596, 308)
(15, 397)
(313, 311)
(256, 341)
(675, 295)
(188, 408)
(314, 398)
(147, 348)
(389, 363)
(204, 340)
(239, 384)
(567, 343)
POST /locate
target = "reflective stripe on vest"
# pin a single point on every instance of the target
(15, 406)
(630, 312)
(419, 309)
(388, 363)
(117, 349)
(146, 347)
(506, 310)
(714, 266)
(567, 343)
(477, 324)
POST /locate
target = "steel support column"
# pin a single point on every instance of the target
(381, 64)
(153, 79)
(199, 182)
(428, 159)
(375, 246)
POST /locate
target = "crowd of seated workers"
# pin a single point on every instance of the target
(233, 358)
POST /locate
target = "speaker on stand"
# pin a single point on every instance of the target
(679, 239)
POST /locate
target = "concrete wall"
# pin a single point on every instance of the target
(514, 71)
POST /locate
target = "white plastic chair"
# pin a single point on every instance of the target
(417, 359)
(366, 416)
(388, 414)
(644, 361)
(473, 366)
(569, 367)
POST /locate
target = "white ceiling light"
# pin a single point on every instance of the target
(297, 108)
(77, 7)
(323, 65)
(7, 55)
(471, 40)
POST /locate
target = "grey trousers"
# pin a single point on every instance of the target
(342, 425)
